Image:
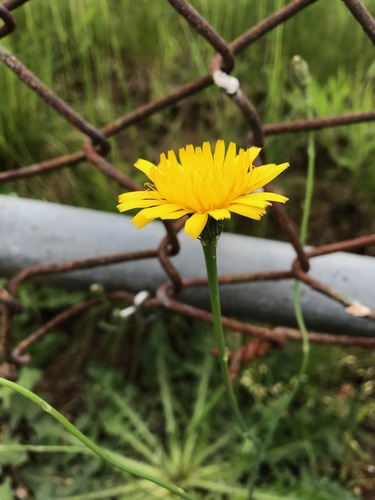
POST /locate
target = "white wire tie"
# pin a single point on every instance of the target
(229, 84)
(137, 302)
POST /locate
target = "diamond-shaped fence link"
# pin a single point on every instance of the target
(96, 148)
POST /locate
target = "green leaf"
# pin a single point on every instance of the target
(28, 378)
(6, 492)
(9, 456)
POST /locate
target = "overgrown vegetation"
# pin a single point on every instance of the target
(105, 59)
(161, 406)
(175, 423)
(149, 392)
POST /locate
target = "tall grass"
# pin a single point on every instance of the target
(106, 58)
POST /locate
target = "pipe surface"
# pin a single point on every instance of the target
(36, 232)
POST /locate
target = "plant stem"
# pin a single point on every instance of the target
(310, 170)
(90, 444)
(209, 250)
(296, 299)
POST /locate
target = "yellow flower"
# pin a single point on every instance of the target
(202, 184)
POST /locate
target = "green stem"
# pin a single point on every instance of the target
(209, 250)
(297, 302)
(310, 170)
(303, 238)
(90, 444)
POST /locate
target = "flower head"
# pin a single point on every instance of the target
(203, 184)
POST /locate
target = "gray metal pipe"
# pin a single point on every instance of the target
(37, 232)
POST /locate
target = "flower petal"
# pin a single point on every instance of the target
(219, 154)
(136, 195)
(248, 211)
(160, 211)
(149, 214)
(266, 195)
(144, 166)
(203, 182)
(195, 225)
(219, 214)
(230, 157)
(249, 201)
(251, 154)
(175, 215)
(139, 221)
(129, 205)
(258, 199)
(260, 176)
(207, 157)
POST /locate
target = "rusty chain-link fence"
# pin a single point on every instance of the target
(95, 150)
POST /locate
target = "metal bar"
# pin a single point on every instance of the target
(94, 237)
(87, 246)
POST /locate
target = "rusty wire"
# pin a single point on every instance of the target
(96, 146)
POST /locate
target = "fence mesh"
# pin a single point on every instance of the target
(96, 149)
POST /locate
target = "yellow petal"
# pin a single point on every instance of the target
(208, 160)
(260, 176)
(266, 195)
(251, 154)
(203, 182)
(230, 156)
(250, 201)
(139, 221)
(219, 155)
(144, 166)
(160, 211)
(219, 214)
(173, 163)
(139, 195)
(187, 157)
(248, 211)
(195, 225)
(175, 215)
(134, 195)
(129, 205)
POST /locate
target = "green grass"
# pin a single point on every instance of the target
(106, 58)
(176, 423)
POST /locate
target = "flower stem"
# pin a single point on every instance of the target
(310, 170)
(209, 250)
(90, 444)
(296, 298)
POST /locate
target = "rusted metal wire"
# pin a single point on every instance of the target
(275, 335)
(63, 109)
(318, 123)
(9, 22)
(108, 169)
(245, 355)
(202, 27)
(363, 16)
(14, 4)
(20, 354)
(96, 145)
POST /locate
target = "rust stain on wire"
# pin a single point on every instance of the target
(363, 16)
(96, 145)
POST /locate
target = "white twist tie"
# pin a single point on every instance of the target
(137, 302)
(230, 84)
